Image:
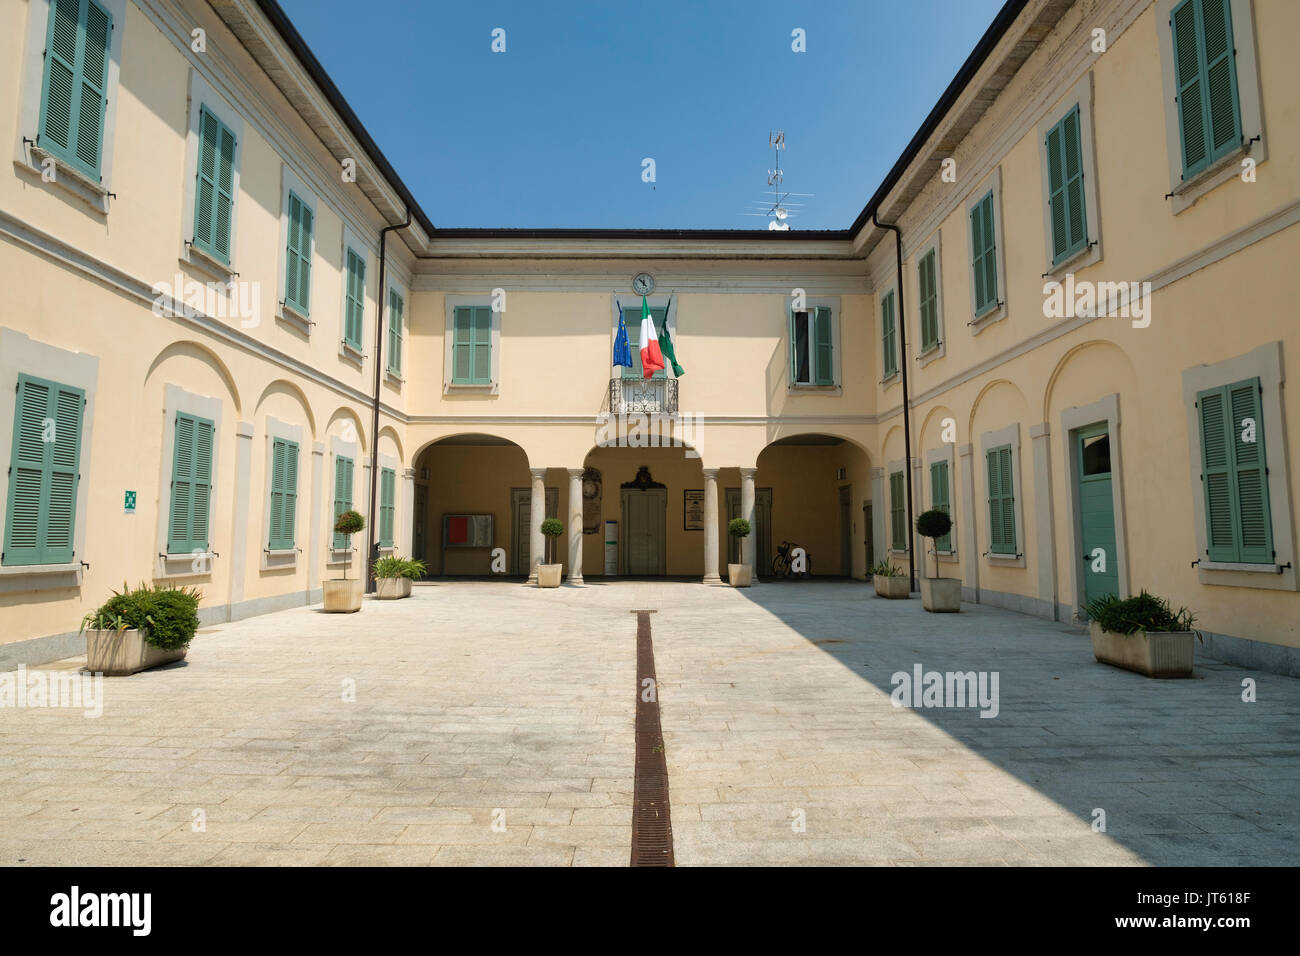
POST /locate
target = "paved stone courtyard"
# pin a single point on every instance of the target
(488, 722)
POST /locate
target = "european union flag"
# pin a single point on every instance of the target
(622, 351)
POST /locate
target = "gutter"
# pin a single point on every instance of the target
(901, 325)
(372, 543)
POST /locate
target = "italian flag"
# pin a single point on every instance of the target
(652, 360)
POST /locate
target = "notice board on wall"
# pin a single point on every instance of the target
(467, 531)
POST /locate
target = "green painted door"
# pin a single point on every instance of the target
(1096, 513)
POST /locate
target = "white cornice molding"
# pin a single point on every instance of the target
(600, 283)
(637, 248)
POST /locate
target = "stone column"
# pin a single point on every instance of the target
(1045, 539)
(405, 517)
(711, 526)
(239, 535)
(574, 528)
(748, 546)
(878, 543)
(536, 514)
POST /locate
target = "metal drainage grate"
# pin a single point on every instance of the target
(652, 828)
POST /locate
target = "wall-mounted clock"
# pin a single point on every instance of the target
(643, 284)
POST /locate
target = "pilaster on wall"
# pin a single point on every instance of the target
(970, 566)
(1045, 534)
(878, 514)
(317, 505)
(239, 538)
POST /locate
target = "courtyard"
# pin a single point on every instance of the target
(493, 723)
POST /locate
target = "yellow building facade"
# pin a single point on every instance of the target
(228, 319)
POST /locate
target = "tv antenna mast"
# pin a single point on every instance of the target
(777, 209)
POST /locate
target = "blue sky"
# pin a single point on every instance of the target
(552, 132)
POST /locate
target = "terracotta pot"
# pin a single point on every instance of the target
(118, 653)
(1153, 653)
(740, 575)
(548, 575)
(941, 595)
(343, 597)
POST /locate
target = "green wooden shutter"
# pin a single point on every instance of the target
(191, 487)
(1002, 513)
(387, 492)
(472, 345)
(939, 496)
(888, 335)
(297, 276)
(1065, 188)
(1216, 474)
(354, 300)
(984, 262)
(74, 90)
(343, 468)
(396, 306)
(43, 473)
(897, 512)
(1205, 71)
(794, 347)
(284, 494)
(214, 191)
(824, 360)
(1234, 472)
(929, 288)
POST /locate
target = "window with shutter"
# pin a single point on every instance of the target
(343, 468)
(40, 521)
(284, 494)
(75, 82)
(897, 513)
(984, 262)
(472, 345)
(927, 283)
(939, 500)
(888, 335)
(396, 307)
(214, 192)
(387, 495)
(297, 275)
(354, 305)
(1065, 187)
(1002, 514)
(824, 359)
(191, 487)
(1234, 473)
(1205, 74)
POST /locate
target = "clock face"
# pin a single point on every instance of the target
(643, 284)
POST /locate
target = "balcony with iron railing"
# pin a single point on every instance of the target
(643, 395)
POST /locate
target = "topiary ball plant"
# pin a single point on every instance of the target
(738, 528)
(552, 528)
(933, 524)
(348, 523)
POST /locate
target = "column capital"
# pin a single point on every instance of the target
(576, 472)
(711, 473)
(748, 472)
(537, 473)
(408, 474)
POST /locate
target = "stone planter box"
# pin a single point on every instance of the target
(548, 575)
(391, 589)
(740, 575)
(118, 653)
(941, 595)
(893, 588)
(1155, 654)
(343, 597)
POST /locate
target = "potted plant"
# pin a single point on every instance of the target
(740, 575)
(134, 630)
(938, 594)
(1142, 634)
(890, 582)
(394, 575)
(548, 574)
(341, 595)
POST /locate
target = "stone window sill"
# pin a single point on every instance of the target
(182, 565)
(988, 317)
(95, 194)
(42, 576)
(1086, 256)
(934, 352)
(394, 378)
(1185, 194)
(279, 560)
(207, 263)
(353, 354)
(291, 316)
(1005, 560)
(890, 379)
(800, 387)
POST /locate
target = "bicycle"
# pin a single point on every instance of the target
(783, 563)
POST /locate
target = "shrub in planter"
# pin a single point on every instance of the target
(344, 596)
(548, 574)
(143, 628)
(739, 575)
(938, 594)
(393, 576)
(1142, 634)
(889, 581)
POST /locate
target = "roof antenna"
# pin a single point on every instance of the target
(777, 210)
